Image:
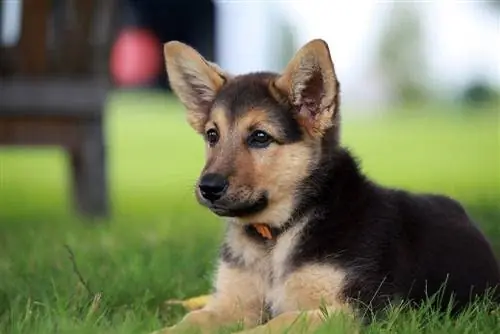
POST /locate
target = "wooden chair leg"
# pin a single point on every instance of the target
(88, 163)
(32, 44)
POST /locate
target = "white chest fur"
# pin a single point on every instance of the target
(285, 288)
(279, 263)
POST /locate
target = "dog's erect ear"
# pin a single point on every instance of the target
(310, 83)
(194, 80)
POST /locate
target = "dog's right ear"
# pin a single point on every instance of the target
(194, 80)
(310, 83)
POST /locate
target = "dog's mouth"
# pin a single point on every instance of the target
(227, 208)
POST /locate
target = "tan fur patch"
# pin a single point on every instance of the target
(310, 287)
(302, 322)
(279, 169)
(306, 288)
(220, 159)
(290, 322)
(218, 118)
(239, 295)
(256, 118)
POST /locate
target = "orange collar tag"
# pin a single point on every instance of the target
(263, 230)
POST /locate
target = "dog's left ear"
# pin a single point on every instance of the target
(310, 83)
(194, 80)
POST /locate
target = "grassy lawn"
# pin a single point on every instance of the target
(159, 244)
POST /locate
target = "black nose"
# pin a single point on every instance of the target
(212, 186)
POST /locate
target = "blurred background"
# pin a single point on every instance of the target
(95, 154)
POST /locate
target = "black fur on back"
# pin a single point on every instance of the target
(392, 243)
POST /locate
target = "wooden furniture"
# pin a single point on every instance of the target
(53, 88)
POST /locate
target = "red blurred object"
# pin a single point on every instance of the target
(135, 57)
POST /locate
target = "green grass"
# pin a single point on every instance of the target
(159, 244)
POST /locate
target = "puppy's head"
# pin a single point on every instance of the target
(264, 132)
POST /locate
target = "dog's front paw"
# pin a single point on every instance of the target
(256, 330)
(195, 322)
(180, 328)
(166, 330)
(290, 322)
(264, 329)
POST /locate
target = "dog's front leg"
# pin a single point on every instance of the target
(238, 298)
(301, 296)
(304, 322)
(291, 322)
(199, 321)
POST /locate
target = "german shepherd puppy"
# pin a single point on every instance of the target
(306, 230)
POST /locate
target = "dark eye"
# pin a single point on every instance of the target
(259, 139)
(212, 137)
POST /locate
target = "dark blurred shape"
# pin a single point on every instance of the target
(494, 4)
(62, 38)
(191, 22)
(479, 93)
(53, 88)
